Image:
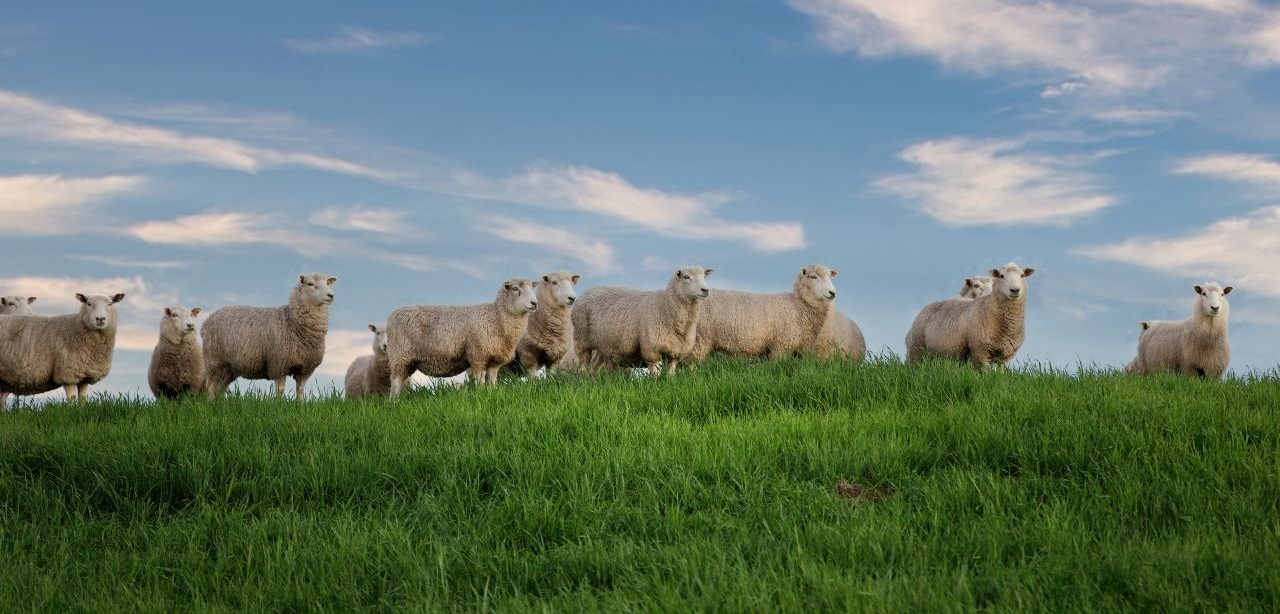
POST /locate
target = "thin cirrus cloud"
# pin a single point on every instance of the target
(230, 228)
(352, 39)
(597, 256)
(1244, 168)
(361, 219)
(33, 119)
(680, 216)
(966, 182)
(45, 204)
(1237, 250)
(1113, 47)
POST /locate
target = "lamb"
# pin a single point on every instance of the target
(71, 351)
(615, 326)
(16, 305)
(976, 287)
(269, 342)
(1195, 346)
(177, 362)
(370, 375)
(774, 325)
(445, 340)
(547, 339)
(840, 336)
(982, 331)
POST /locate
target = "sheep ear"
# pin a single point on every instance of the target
(804, 271)
(331, 281)
(708, 272)
(168, 312)
(1227, 290)
(117, 298)
(1199, 290)
(195, 311)
(31, 299)
(1144, 325)
(82, 298)
(373, 328)
(996, 273)
(546, 279)
(679, 273)
(506, 285)
(968, 282)
(834, 272)
(575, 279)
(1027, 272)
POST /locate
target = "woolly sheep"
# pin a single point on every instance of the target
(615, 326)
(976, 287)
(840, 336)
(773, 325)
(982, 330)
(1195, 346)
(16, 305)
(370, 375)
(71, 351)
(177, 362)
(269, 342)
(445, 340)
(549, 335)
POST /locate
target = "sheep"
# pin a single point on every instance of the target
(71, 351)
(840, 336)
(1195, 346)
(16, 305)
(177, 362)
(615, 326)
(370, 375)
(549, 335)
(977, 286)
(981, 330)
(774, 325)
(445, 340)
(269, 342)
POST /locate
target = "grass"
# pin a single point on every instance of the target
(711, 491)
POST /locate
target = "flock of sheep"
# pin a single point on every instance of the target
(544, 324)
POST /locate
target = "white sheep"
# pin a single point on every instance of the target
(775, 325)
(982, 330)
(71, 351)
(1195, 346)
(624, 327)
(16, 305)
(840, 336)
(177, 362)
(549, 335)
(370, 375)
(977, 286)
(269, 342)
(445, 340)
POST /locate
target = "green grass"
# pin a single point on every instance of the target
(708, 491)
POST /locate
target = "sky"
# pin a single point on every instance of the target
(205, 155)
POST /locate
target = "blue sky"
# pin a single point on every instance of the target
(424, 153)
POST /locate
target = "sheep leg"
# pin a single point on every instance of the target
(475, 375)
(4, 401)
(83, 390)
(279, 382)
(300, 386)
(671, 365)
(492, 373)
(71, 391)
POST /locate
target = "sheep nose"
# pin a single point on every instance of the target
(831, 293)
(1215, 309)
(705, 292)
(191, 327)
(572, 299)
(329, 296)
(533, 304)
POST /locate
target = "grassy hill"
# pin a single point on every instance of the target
(712, 490)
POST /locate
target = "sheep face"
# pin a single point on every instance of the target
(1211, 300)
(179, 323)
(96, 310)
(557, 289)
(691, 282)
(316, 289)
(976, 287)
(519, 296)
(15, 305)
(814, 286)
(1008, 281)
(379, 339)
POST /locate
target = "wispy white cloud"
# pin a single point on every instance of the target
(596, 255)
(352, 39)
(130, 263)
(1237, 250)
(1130, 115)
(381, 221)
(231, 228)
(53, 204)
(1245, 168)
(964, 182)
(30, 118)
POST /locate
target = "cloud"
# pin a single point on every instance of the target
(680, 216)
(1126, 115)
(33, 119)
(129, 263)
(53, 204)
(139, 313)
(1238, 250)
(355, 40)
(596, 255)
(231, 228)
(1245, 168)
(964, 182)
(1102, 47)
(381, 221)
